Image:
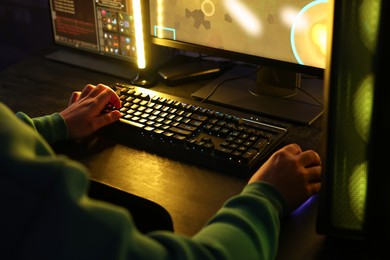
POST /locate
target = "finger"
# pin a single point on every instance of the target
(74, 97)
(293, 148)
(115, 100)
(106, 119)
(103, 88)
(309, 158)
(315, 188)
(109, 95)
(87, 90)
(98, 89)
(314, 174)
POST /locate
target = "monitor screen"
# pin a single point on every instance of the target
(96, 34)
(105, 27)
(281, 35)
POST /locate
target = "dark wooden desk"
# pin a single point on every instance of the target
(190, 193)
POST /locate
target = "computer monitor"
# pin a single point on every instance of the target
(284, 40)
(98, 34)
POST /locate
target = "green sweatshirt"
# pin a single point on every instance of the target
(46, 213)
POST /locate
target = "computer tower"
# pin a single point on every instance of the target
(354, 202)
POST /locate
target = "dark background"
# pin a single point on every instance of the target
(24, 29)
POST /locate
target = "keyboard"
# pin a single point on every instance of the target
(224, 140)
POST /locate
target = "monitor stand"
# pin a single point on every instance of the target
(251, 94)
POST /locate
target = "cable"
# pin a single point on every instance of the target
(229, 79)
(250, 74)
(310, 95)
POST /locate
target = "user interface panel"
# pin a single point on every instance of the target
(100, 26)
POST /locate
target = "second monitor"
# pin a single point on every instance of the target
(284, 37)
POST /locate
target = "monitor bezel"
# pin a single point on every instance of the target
(239, 56)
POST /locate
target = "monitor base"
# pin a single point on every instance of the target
(144, 79)
(182, 69)
(118, 68)
(238, 94)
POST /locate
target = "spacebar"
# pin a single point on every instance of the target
(129, 122)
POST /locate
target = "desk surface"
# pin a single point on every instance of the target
(191, 194)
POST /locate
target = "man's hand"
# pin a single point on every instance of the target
(295, 173)
(84, 114)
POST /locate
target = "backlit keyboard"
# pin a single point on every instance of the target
(229, 142)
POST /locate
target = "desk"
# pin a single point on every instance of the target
(191, 194)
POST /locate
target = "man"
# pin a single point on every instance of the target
(46, 213)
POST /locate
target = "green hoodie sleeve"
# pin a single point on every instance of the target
(52, 127)
(46, 213)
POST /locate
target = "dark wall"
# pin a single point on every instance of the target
(24, 29)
